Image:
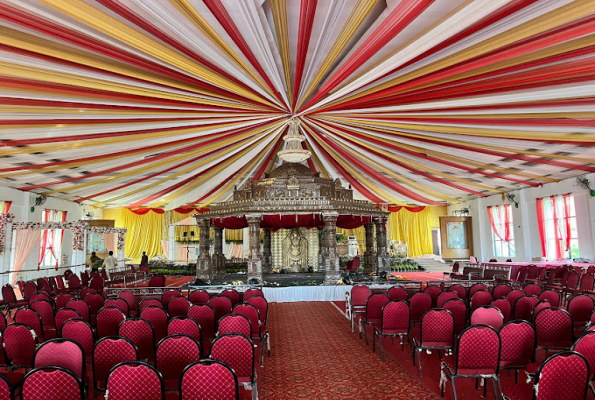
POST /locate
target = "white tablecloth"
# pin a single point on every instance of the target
(305, 293)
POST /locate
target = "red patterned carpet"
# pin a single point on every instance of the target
(315, 356)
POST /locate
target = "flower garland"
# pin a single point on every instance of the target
(105, 230)
(78, 229)
(4, 220)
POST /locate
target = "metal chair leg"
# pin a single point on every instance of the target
(381, 348)
(419, 362)
(373, 340)
(454, 390)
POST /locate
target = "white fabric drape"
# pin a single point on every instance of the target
(233, 250)
(25, 241)
(109, 241)
(165, 247)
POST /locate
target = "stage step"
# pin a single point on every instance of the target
(433, 265)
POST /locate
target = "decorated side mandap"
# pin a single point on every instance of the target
(296, 211)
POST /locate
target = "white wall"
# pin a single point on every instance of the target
(526, 229)
(21, 208)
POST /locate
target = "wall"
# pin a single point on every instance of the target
(526, 229)
(21, 208)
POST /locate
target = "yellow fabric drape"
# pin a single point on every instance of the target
(414, 228)
(179, 230)
(360, 235)
(144, 231)
(435, 213)
(236, 235)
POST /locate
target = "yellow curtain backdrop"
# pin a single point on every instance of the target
(414, 228)
(179, 230)
(234, 235)
(435, 213)
(144, 231)
(360, 235)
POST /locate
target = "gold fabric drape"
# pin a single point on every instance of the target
(414, 228)
(234, 235)
(359, 233)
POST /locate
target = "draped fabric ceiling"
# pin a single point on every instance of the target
(172, 103)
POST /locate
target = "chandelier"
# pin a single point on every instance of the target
(293, 152)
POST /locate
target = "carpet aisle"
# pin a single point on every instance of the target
(315, 357)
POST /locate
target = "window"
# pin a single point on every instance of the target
(557, 227)
(502, 230)
(50, 247)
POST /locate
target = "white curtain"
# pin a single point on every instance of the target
(108, 241)
(165, 247)
(25, 241)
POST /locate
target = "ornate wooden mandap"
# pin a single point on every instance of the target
(296, 212)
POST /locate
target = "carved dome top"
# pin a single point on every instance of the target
(287, 170)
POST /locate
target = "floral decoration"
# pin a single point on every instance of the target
(78, 229)
(105, 230)
(4, 220)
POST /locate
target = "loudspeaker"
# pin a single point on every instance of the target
(185, 234)
(192, 233)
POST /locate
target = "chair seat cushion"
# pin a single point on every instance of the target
(15, 378)
(436, 344)
(514, 363)
(373, 321)
(450, 363)
(532, 368)
(555, 344)
(392, 331)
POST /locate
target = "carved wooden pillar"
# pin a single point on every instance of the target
(203, 264)
(321, 251)
(267, 255)
(218, 258)
(254, 263)
(330, 234)
(370, 261)
(381, 245)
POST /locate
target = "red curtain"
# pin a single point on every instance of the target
(412, 209)
(276, 221)
(61, 237)
(6, 207)
(541, 223)
(500, 222)
(566, 199)
(44, 238)
(143, 211)
(180, 210)
(556, 228)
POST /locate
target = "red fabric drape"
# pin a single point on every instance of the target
(44, 238)
(412, 209)
(541, 223)
(500, 222)
(61, 237)
(180, 210)
(276, 221)
(143, 211)
(566, 199)
(556, 228)
(6, 207)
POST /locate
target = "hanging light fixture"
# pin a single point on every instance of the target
(293, 152)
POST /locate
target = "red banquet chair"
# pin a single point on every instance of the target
(437, 331)
(418, 305)
(523, 307)
(563, 375)
(64, 353)
(458, 309)
(253, 314)
(8, 387)
(168, 294)
(433, 291)
(501, 290)
(221, 305)
(62, 299)
(30, 317)
(147, 303)
(204, 315)
(398, 293)
(480, 298)
(445, 296)
(95, 302)
(81, 332)
(394, 321)
(580, 308)
(373, 313)
(128, 296)
(199, 296)
(186, 326)
(487, 315)
(514, 295)
(140, 332)
(107, 353)
(585, 345)
(356, 302)
(20, 344)
(177, 306)
(477, 356)
(233, 295)
(82, 307)
(237, 351)
(554, 329)
(52, 383)
(234, 323)
(209, 379)
(119, 303)
(158, 318)
(109, 319)
(135, 380)
(552, 296)
(503, 304)
(253, 292)
(518, 345)
(173, 354)
(46, 313)
(64, 315)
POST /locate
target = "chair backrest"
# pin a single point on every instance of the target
(65, 353)
(374, 306)
(480, 298)
(572, 281)
(518, 344)
(209, 379)
(585, 345)
(95, 302)
(458, 308)
(128, 296)
(84, 278)
(168, 294)
(119, 303)
(199, 296)
(80, 331)
(204, 315)
(186, 326)
(398, 293)
(87, 291)
(8, 294)
(587, 281)
(533, 289)
(359, 295)
(433, 291)
(437, 328)
(580, 308)
(97, 283)
(63, 315)
(3, 321)
(551, 295)
(109, 319)
(173, 354)
(233, 295)
(554, 328)
(158, 318)
(478, 351)
(395, 317)
(445, 296)
(263, 308)
(524, 306)
(149, 302)
(60, 282)
(129, 379)
(38, 296)
(31, 318)
(253, 292)
(46, 312)
(251, 312)
(234, 323)
(82, 307)
(6, 388)
(20, 344)
(157, 281)
(538, 307)
(237, 351)
(108, 352)
(140, 332)
(62, 299)
(514, 295)
(52, 383)
(460, 289)
(177, 306)
(564, 373)
(503, 304)
(418, 304)
(221, 305)
(532, 272)
(29, 289)
(477, 287)
(74, 282)
(523, 272)
(487, 315)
